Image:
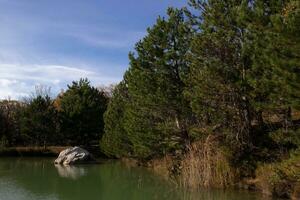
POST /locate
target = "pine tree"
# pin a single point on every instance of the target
(275, 56)
(155, 119)
(2, 127)
(218, 83)
(245, 59)
(115, 141)
(82, 107)
(38, 121)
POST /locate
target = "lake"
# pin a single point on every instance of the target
(39, 179)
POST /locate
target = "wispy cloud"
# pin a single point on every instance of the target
(17, 81)
(114, 39)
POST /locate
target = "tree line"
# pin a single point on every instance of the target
(228, 69)
(74, 117)
(216, 87)
(220, 65)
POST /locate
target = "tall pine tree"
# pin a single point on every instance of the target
(156, 117)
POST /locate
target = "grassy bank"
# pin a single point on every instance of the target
(196, 170)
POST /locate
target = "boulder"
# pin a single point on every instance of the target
(74, 155)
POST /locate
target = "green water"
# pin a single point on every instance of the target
(39, 179)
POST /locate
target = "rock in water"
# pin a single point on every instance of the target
(74, 155)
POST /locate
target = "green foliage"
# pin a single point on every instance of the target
(286, 139)
(244, 61)
(3, 142)
(82, 107)
(74, 117)
(2, 135)
(38, 121)
(10, 122)
(216, 69)
(218, 84)
(275, 55)
(156, 117)
(115, 141)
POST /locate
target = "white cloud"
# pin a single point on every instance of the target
(18, 80)
(7, 82)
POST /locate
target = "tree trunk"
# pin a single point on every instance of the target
(246, 121)
(287, 118)
(260, 119)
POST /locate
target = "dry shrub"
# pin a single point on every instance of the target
(206, 165)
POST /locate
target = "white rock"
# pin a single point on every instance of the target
(74, 155)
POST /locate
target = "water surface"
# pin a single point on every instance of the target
(39, 179)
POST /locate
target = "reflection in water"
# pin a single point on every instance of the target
(72, 172)
(30, 179)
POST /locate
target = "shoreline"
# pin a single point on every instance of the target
(259, 184)
(51, 151)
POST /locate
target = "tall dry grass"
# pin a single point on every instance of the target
(206, 165)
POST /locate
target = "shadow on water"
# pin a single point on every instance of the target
(28, 179)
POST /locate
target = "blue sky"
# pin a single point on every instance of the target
(52, 42)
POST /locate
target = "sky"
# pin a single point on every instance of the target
(53, 42)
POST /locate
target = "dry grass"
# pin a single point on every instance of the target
(206, 166)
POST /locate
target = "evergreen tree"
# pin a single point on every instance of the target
(10, 122)
(156, 119)
(218, 81)
(2, 126)
(245, 63)
(81, 110)
(38, 121)
(275, 74)
(115, 141)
